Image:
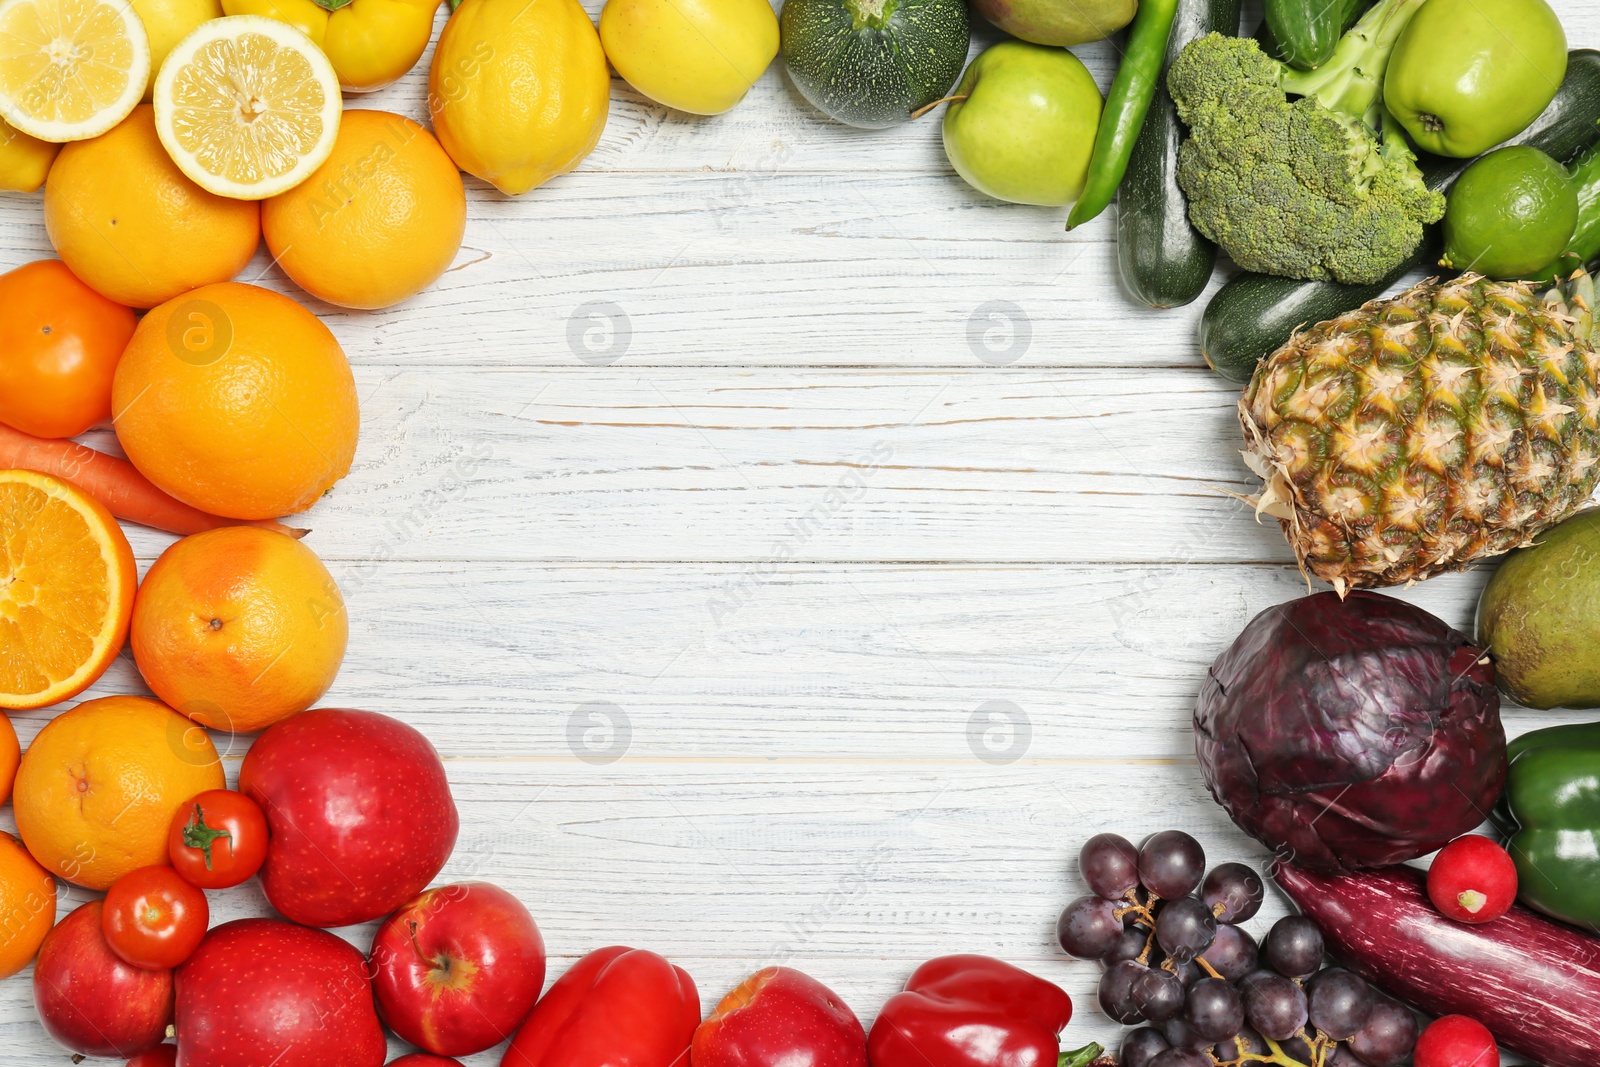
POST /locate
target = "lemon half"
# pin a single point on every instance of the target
(70, 69)
(247, 106)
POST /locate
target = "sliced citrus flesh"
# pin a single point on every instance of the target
(247, 106)
(70, 69)
(67, 581)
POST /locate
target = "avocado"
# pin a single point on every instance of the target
(1539, 617)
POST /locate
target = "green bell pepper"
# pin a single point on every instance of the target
(1550, 813)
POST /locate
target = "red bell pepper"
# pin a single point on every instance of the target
(616, 1007)
(974, 1011)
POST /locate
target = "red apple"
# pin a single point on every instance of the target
(160, 1056)
(457, 969)
(91, 1001)
(360, 814)
(780, 1016)
(266, 993)
(423, 1059)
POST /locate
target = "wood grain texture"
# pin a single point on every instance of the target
(807, 464)
(793, 554)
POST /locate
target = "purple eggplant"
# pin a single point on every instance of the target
(1351, 733)
(1533, 982)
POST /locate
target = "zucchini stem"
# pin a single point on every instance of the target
(925, 108)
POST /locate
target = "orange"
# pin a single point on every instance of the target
(99, 786)
(131, 225)
(59, 345)
(10, 754)
(236, 400)
(27, 906)
(239, 627)
(377, 222)
(66, 589)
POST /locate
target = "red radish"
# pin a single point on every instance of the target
(1472, 880)
(1456, 1041)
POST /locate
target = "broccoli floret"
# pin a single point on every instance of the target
(1322, 186)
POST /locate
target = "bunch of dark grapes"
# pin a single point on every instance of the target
(1178, 961)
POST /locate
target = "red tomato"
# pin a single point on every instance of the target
(153, 918)
(218, 839)
(59, 346)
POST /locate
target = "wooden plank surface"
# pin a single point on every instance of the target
(793, 554)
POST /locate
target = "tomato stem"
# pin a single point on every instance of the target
(197, 834)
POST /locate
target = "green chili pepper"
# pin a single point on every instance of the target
(1126, 106)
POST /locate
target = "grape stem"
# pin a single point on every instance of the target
(1280, 1057)
(1320, 1047)
(1149, 947)
(1143, 913)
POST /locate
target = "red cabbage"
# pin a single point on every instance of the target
(1351, 734)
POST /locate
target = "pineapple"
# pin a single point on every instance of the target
(1414, 435)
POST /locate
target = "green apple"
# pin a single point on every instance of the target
(1026, 128)
(1059, 22)
(1469, 74)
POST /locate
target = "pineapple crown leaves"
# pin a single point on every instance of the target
(1574, 298)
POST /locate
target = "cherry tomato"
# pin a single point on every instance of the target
(160, 1056)
(153, 918)
(59, 346)
(218, 839)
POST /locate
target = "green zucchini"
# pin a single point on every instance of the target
(1254, 314)
(1163, 260)
(871, 63)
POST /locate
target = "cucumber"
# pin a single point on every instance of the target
(1163, 260)
(1585, 243)
(871, 63)
(1307, 31)
(1254, 314)
(1353, 10)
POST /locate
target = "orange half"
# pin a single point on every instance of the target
(67, 581)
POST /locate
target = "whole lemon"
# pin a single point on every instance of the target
(131, 224)
(699, 56)
(518, 90)
(239, 628)
(98, 788)
(236, 400)
(166, 22)
(377, 222)
(24, 161)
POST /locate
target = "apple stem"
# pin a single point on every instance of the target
(921, 111)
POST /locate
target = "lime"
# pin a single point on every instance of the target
(1510, 213)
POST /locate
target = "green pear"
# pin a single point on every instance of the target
(1025, 129)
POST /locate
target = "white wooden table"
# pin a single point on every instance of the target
(794, 554)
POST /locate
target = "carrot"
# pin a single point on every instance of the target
(116, 483)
